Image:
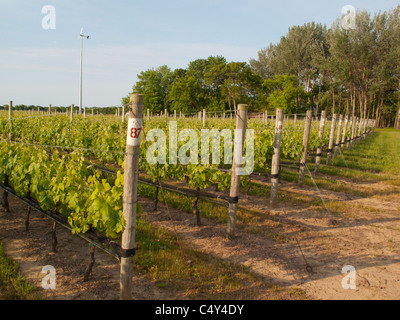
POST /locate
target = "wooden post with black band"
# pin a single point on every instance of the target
(275, 170)
(131, 175)
(241, 122)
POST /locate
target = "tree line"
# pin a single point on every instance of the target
(348, 71)
(61, 109)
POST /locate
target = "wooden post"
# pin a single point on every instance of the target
(49, 109)
(10, 109)
(331, 139)
(135, 124)
(241, 122)
(174, 114)
(358, 130)
(348, 139)
(306, 138)
(337, 142)
(166, 114)
(204, 117)
(364, 130)
(123, 114)
(84, 112)
(72, 112)
(344, 135)
(353, 130)
(275, 171)
(397, 123)
(321, 136)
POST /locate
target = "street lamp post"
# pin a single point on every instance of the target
(80, 80)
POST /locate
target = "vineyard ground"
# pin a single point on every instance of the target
(367, 238)
(285, 240)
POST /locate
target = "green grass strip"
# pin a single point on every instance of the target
(12, 285)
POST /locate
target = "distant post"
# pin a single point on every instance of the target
(331, 139)
(10, 107)
(306, 139)
(321, 137)
(337, 142)
(72, 112)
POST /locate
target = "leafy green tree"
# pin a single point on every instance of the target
(284, 92)
(184, 94)
(155, 85)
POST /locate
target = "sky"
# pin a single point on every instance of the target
(40, 49)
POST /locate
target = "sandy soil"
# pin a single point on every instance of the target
(33, 250)
(366, 237)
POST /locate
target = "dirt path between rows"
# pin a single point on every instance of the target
(367, 239)
(32, 250)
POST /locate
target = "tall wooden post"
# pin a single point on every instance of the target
(204, 117)
(306, 138)
(275, 171)
(337, 142)
(321, 136)
(331, 139)
(241, 122)
(134, 133)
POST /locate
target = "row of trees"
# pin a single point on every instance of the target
(62, 109)
(355, 71)
(216, 85)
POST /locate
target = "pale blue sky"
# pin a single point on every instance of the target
(41, 67)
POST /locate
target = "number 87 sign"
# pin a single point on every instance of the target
(134, 132)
